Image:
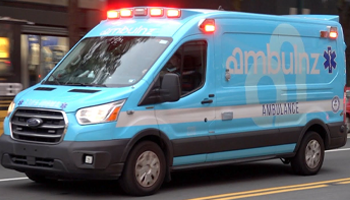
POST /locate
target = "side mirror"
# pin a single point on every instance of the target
(170, 88)
(166, 89)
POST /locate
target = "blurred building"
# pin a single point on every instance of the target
(40, 44)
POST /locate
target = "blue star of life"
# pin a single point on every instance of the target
(330, 60)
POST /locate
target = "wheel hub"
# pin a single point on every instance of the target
(147, 169)
(313, 154)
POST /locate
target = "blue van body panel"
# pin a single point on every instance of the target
(317, 17)
(65, 97)
(238, 154)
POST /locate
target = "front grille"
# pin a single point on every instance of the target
(32, 161)
(51, 129)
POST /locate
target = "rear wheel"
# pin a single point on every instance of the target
(144, 170)
(310, 155)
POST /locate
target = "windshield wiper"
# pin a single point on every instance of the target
(87, 84)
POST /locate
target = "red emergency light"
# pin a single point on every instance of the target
(208, 26)
(156, 12)
(112, 14)
(333, 35)
(173, 13)
(126, 13)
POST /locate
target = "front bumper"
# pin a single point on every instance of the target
(66, 159)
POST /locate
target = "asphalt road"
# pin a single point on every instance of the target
(265, 180)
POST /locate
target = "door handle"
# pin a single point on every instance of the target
(207, 101)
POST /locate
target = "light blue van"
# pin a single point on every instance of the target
(153, 90)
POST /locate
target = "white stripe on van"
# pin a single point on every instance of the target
(172, 116)
(256, 110)
(138, 118)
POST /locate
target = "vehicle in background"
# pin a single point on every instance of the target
(347, 89)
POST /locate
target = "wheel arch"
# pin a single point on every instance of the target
(317, 126)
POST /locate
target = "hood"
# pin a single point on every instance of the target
(68, 98)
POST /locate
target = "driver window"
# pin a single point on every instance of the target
(189, 63)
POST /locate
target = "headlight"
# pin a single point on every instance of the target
(98, 114)
(10, 108)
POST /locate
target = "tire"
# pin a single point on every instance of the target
(40, 178)
(144, 170)
(310, 155)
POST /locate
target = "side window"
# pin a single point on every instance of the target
(189, 62)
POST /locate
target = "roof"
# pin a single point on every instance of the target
(146, 25)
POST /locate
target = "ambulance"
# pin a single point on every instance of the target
(151, 90)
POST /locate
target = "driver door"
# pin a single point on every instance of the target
(189, 122)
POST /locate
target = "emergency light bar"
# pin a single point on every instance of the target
(152, 12)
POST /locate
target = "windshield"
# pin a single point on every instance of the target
(109, 61)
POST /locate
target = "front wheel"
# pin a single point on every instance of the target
(144, 170)
(310, 155)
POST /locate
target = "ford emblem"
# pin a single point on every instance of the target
(34, 122)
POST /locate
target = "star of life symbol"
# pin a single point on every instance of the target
(330, 60)
(335, 104)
